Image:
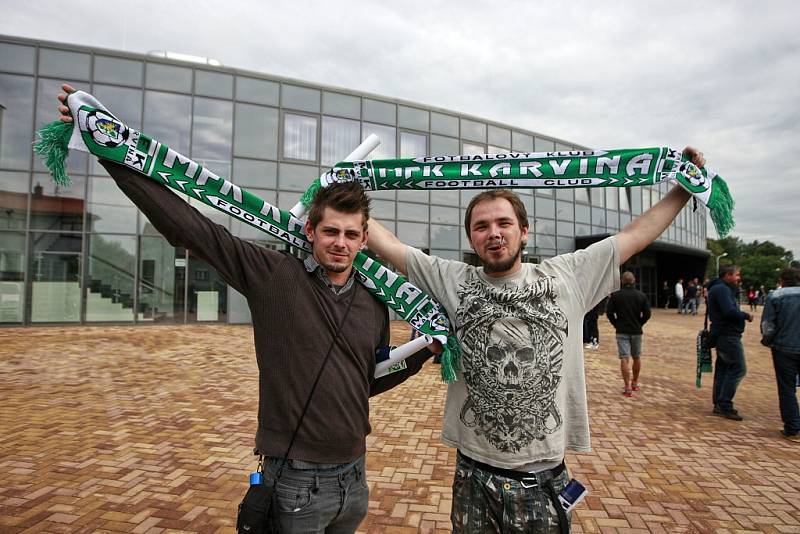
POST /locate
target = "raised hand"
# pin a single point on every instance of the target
(62, 97)
(695, 156)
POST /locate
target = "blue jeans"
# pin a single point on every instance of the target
(332, 500)
(729, 370)
(787, 366)
(484, 502)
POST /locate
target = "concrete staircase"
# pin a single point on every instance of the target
(59, 302)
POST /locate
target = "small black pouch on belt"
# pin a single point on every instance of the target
(258, 511)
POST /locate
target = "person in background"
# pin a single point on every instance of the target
(628, 310)
(591, 333)
(752, 297)
(690, 301)
(727, 326)
(679, 295)
(666, 293)
(780, 331)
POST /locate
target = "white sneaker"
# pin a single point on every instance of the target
(588, 346)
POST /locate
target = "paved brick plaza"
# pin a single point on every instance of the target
(120, 429)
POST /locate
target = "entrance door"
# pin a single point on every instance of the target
(55, 270)
(161, 281)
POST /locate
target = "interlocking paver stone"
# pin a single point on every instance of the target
(122, 429)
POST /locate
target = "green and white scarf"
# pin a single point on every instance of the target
(97, 131)
(532, 170)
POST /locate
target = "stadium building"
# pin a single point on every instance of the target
(84, 254)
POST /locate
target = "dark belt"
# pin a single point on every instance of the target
(512, 474)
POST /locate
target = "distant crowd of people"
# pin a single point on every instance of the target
(686, 297)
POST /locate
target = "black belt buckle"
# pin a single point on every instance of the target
(529, 482)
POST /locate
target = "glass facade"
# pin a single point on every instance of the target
(85, 254)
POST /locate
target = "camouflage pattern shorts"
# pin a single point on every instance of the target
(486, 502)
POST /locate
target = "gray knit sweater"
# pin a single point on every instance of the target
(294, 317)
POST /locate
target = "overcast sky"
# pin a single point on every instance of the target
(723, 77)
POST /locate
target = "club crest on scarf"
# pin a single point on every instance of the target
(342, 175)
(512, 341)
(693, 178)
(105, 130)
(346, 174)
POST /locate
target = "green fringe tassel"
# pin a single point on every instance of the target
(451, 359)
(703, 367)
(52, 146)
(721, 206)
(308, 196)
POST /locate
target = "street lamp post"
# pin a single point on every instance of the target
(718, 257)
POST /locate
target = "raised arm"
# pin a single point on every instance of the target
(387, 246)
(182, 225)
(643, 230)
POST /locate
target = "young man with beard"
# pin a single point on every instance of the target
(520, 399)
(303, 312)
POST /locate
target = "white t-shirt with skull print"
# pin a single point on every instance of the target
(520, 397)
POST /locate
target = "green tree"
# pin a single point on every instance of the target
(760, 260)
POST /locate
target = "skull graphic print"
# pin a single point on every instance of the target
(513, 355)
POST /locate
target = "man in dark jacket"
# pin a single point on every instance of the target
(727, 325)
(302, 313)
(780, 331)
(628, 309)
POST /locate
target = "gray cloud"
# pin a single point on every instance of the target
(722, 77)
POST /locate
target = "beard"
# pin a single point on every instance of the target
(498, 266)
(334, 267)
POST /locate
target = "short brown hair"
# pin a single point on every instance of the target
(346, 197)
(513, 199)
(790, 277)
(627, 279)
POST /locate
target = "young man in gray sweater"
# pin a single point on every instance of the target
(297, 307)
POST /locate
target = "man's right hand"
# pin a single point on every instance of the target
(62, 97)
